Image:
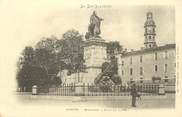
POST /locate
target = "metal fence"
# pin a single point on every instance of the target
(92, 90)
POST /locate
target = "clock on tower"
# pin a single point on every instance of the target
(149, 31)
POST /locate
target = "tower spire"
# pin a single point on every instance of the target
(149, 31)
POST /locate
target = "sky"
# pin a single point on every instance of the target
(124, 23)
(25, 22)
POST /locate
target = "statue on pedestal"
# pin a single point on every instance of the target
(94, 26)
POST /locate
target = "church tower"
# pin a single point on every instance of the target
(150, 32)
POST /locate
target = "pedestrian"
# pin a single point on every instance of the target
(134, 94)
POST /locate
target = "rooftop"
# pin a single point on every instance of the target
(147, 50)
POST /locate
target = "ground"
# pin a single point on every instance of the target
(147, 102)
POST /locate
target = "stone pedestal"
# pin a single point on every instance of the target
(94, 55)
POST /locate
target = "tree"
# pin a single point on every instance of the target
(34, 65)
(72, 34)
(113, 47)
(38, 66)
(32, 75)
(72, 50)
(49, 44)
(25, 61)
(44, 58)
(28, 55)
(46, 54)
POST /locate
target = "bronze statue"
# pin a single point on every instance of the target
(94, 26)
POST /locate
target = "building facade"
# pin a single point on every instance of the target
(150, 63)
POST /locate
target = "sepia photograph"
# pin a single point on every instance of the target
(89, 57)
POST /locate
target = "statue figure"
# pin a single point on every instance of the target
(94, 26)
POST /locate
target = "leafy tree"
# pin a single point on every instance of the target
(32, 75)
(72, 50)
(44, 58)
(49, 44)
(113, 47)
(50, 55)
(72, 34)
(66, 53)
(33, 68)
(28, 55)
(46, 54)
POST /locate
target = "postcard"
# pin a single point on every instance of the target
(90, 58)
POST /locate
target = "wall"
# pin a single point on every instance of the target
(148, 65)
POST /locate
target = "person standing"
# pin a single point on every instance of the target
(134, 94)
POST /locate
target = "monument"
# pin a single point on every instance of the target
(94, 56)
(94, 49)
(94, 27)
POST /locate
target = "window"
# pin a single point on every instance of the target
(166, 79)
(131, 60)
(122, 63)
(166, 55)
(141, 70)
(131, 71)
(141, 59)
(122, 72)
(131, 80)
(155, 55)
(149, 37)
(165, 68)
(141, 80)
(155, 68)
